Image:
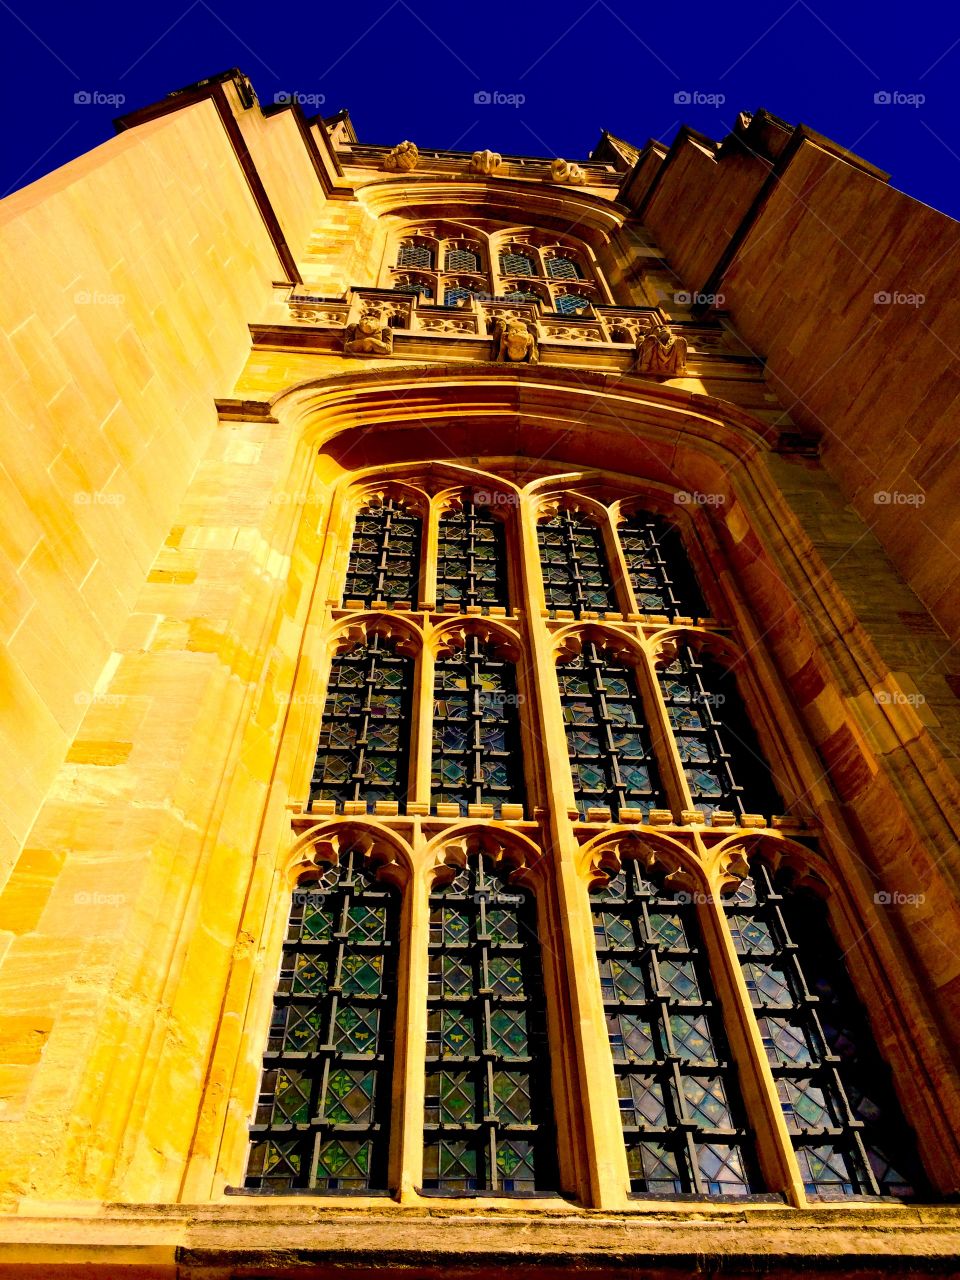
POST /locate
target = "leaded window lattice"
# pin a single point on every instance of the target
(570, 304)
(722, 760)
(422, 290)
(472, 563)
(563, 269)
(659, 570)
(385, 555)
(461, 260)
(323, 1117)
(476, 732)
(608, 742)
(516, 264)
(489, 1113)
(415, 255)
(576, 574)
(363, 750)
(519, 295)
(848, 1131)
(680, 1103)
(457, 293)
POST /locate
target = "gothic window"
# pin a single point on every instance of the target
(516, 264)
(576, 574)
(472, 564)
(721, 757)
(563, 269)
(384, 555)
(323, 1117)
(461, 260)
(410, 286)
(847, 1129)
(454, 294)
(519, 295)
(608, 742)
(489, 1114)
(658, 566)
(364, 735)
(476, 738)
(680, 1104)
(415, 255)
(570, 304)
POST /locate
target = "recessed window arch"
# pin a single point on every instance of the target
(518, 260)
(463, 255)
(476, 727)
(322, 1121)
(384, 564)
(608, 740)
(848, 1130)
(363, 753)
(416, 253)
(721, 755)
(574, 563)
(472, 553)
(684, 1123)
(659, 567)
(489, 1123)
(563, 265)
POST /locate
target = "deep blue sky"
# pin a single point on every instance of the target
(408, 68)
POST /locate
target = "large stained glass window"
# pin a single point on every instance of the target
(476, 732)
(364, 734)
(516, 264)
(563, 269)
(721, 756)
(680, 1103)
(661, 574)
(323, 1118)
(611, 758)
(415, 255)
(571, 304)
(576, 574)
(847, 1128)
(472, 564)
(385, 555)
(489, 1114)
(461, 260)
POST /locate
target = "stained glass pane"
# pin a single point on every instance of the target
(569, 304)
(384, 560)
(563, 269)
(472, 562)
(516, 264)
(461, 260)
(659, 569)
(329, 1053)
(573, 560)
(415, 255)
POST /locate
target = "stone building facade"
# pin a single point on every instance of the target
(480, 716)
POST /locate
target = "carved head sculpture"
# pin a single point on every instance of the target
(485, 161)
(402, 158)
(517, 340)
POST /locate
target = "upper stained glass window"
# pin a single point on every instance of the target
(489, 1113)
(847, 1128)
(476, 732)
(576, 574)
(570, 304)
(608, 742)
(415, 255)
(683, 1117)
(323, 1118)
(721, 756)
(385, 555)
(563, 269)
(472, 564)
(516, 264)
(461, 260)
(364, 735)
(661, 574)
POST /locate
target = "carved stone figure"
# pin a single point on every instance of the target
(512, 340)
(367, 337)
(402, 158)
(486, 161)
(564, 171)
(660, 353)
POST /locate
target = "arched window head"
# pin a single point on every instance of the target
(659, 569)
(323, 1117)
(456, 294)
(571, 304)
(515, 263)
(364, 748)
(848, 1131)
(472, 563)
(560, 267)
(476, 729)
(576, 573)
(385, 554)
(683, 1118)
(461, 258)
(489, 1113)
(409, 284)
(724, 765)
(412, 254)
(608, 742)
